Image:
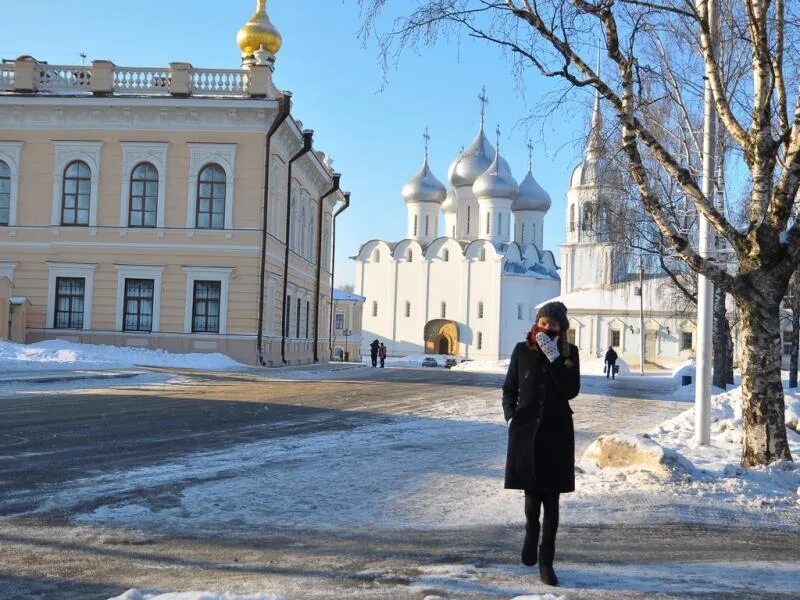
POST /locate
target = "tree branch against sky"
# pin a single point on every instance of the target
(558, 39)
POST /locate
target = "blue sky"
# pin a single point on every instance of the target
(371, 128)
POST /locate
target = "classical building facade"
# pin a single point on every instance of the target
(177, 208)
(348, 311)
(473, 290)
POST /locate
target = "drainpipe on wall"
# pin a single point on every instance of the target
(334, 188)
(308, 139)
(339, 211)
(284, 107)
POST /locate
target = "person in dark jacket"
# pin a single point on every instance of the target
(373, 352)
(611, 362)
(543, 375)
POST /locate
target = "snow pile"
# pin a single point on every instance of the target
(595, 367)
(139, 595)
(411, 360)
(708, 475)
(629, 452)
(499, 367)
(58, 354)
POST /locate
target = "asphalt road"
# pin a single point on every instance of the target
(49, 441)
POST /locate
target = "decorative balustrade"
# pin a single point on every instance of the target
(105, 78)
(63, 78)
(133, 80)
(215, 82)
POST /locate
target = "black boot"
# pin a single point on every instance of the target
(546, 572)
(529, 556)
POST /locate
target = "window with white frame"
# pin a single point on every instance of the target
(409, 256)
(444, 310)
(339, 321)
(69, 295)
(415, 225)
(446, 255)
(206, 308)
(426, 225)
(9, 181)
(408, 308)
(615, 338)
(482, 257)
(480, 341)
(374, 308)
(211, 192)
(143, 192)
(686, 340)
(480, 310)
(377, 256)
(76, 175)
(144, 297)
(519, 312)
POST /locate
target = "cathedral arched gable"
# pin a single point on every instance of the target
(532, 253)
(513, 252)
(367, 248)
(473, 249)
(403, 246)
(548, 259)
(437, 247)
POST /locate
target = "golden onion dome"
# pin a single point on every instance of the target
(257, 32)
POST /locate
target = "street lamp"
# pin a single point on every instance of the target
(347, 333)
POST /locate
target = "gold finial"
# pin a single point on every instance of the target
(258, 32)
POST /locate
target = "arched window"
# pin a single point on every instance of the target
(409, 256)
(5, 192)
(572, 218)
(446, 255)
(522, 233)
(143, 198)
(480, 310)
(468, 218)
(426, 225)
(211, 198)
(586, 224)
(415, 225)
(374, 308)
(444, 310)
(488, 222)
(377, 256)
(454, 231)
(408, 308)
(480, 341)
(75, 194)
(302, 248)
(483, 255)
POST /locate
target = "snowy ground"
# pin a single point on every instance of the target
(409, 472)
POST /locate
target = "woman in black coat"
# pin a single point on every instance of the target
(543, 375)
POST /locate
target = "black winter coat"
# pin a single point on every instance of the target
(541, 436)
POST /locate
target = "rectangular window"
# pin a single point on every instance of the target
(339, 322)
(686, 340)
(426, 225)
(138, 306)
(408, 309)
(615, 337)
(288, 321)
(205, 307)
(415, 225)
(519, 312)
(571, 336)
(480, 340)
(468, 218)
(308, 316)
(444, 310)
(488, 221)
(297, 320)
(69, 302)
(480, 310)
(374, 309)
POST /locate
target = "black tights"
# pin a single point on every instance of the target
(533, 502)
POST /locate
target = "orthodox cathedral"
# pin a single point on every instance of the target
(472, 291)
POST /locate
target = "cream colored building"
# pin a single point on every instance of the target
(348, 310)
(152, 207)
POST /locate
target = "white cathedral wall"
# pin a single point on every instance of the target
(409, 332)
(374, 282)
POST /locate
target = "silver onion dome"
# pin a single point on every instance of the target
(424, 187)
(472, 162)
(449, 204)
(531, 195)
(497, 181)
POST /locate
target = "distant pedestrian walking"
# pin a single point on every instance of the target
(543, 375)
(373, 352)
(611, 362)
(382, 354)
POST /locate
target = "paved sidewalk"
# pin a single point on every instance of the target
(26, 376)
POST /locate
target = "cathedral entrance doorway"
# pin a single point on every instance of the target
(441, 337)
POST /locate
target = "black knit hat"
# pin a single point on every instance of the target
(556, 311)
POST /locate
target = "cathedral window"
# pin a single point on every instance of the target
(211, 198)
(408, 309)
(519, 312)
(480, 341)
(480, 310)
(446, 255)
(374, 308)
(572, 218)
(469, 214)
(75, 194)
(454, 231)
(615, 338)
(686, 340)
(143, 197)
(377, 256)
(586, 225)
(522, 233)
(426, 225)
(409, 256)
(482, 255)
(5, 192)
(488, 222)
(499, 223)
(444, 310)
(415, 225)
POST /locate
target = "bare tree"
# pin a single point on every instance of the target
(559, 37)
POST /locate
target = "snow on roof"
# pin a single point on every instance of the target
(343, 295)
(19, 300)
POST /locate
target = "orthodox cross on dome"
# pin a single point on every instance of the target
(497, 132)
(426, 136)
(529, 145)
(484, 100)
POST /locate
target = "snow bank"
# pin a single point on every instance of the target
(595, 367)
(629, 452)
(58, 354)
(139, 595)
(411, 360)
(484, 366)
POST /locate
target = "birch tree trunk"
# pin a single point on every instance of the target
(763, 416)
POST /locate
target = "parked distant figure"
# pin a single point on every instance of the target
(611, 362)
(382, 354)
(373, 352)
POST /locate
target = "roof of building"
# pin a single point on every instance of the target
(343, 295)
